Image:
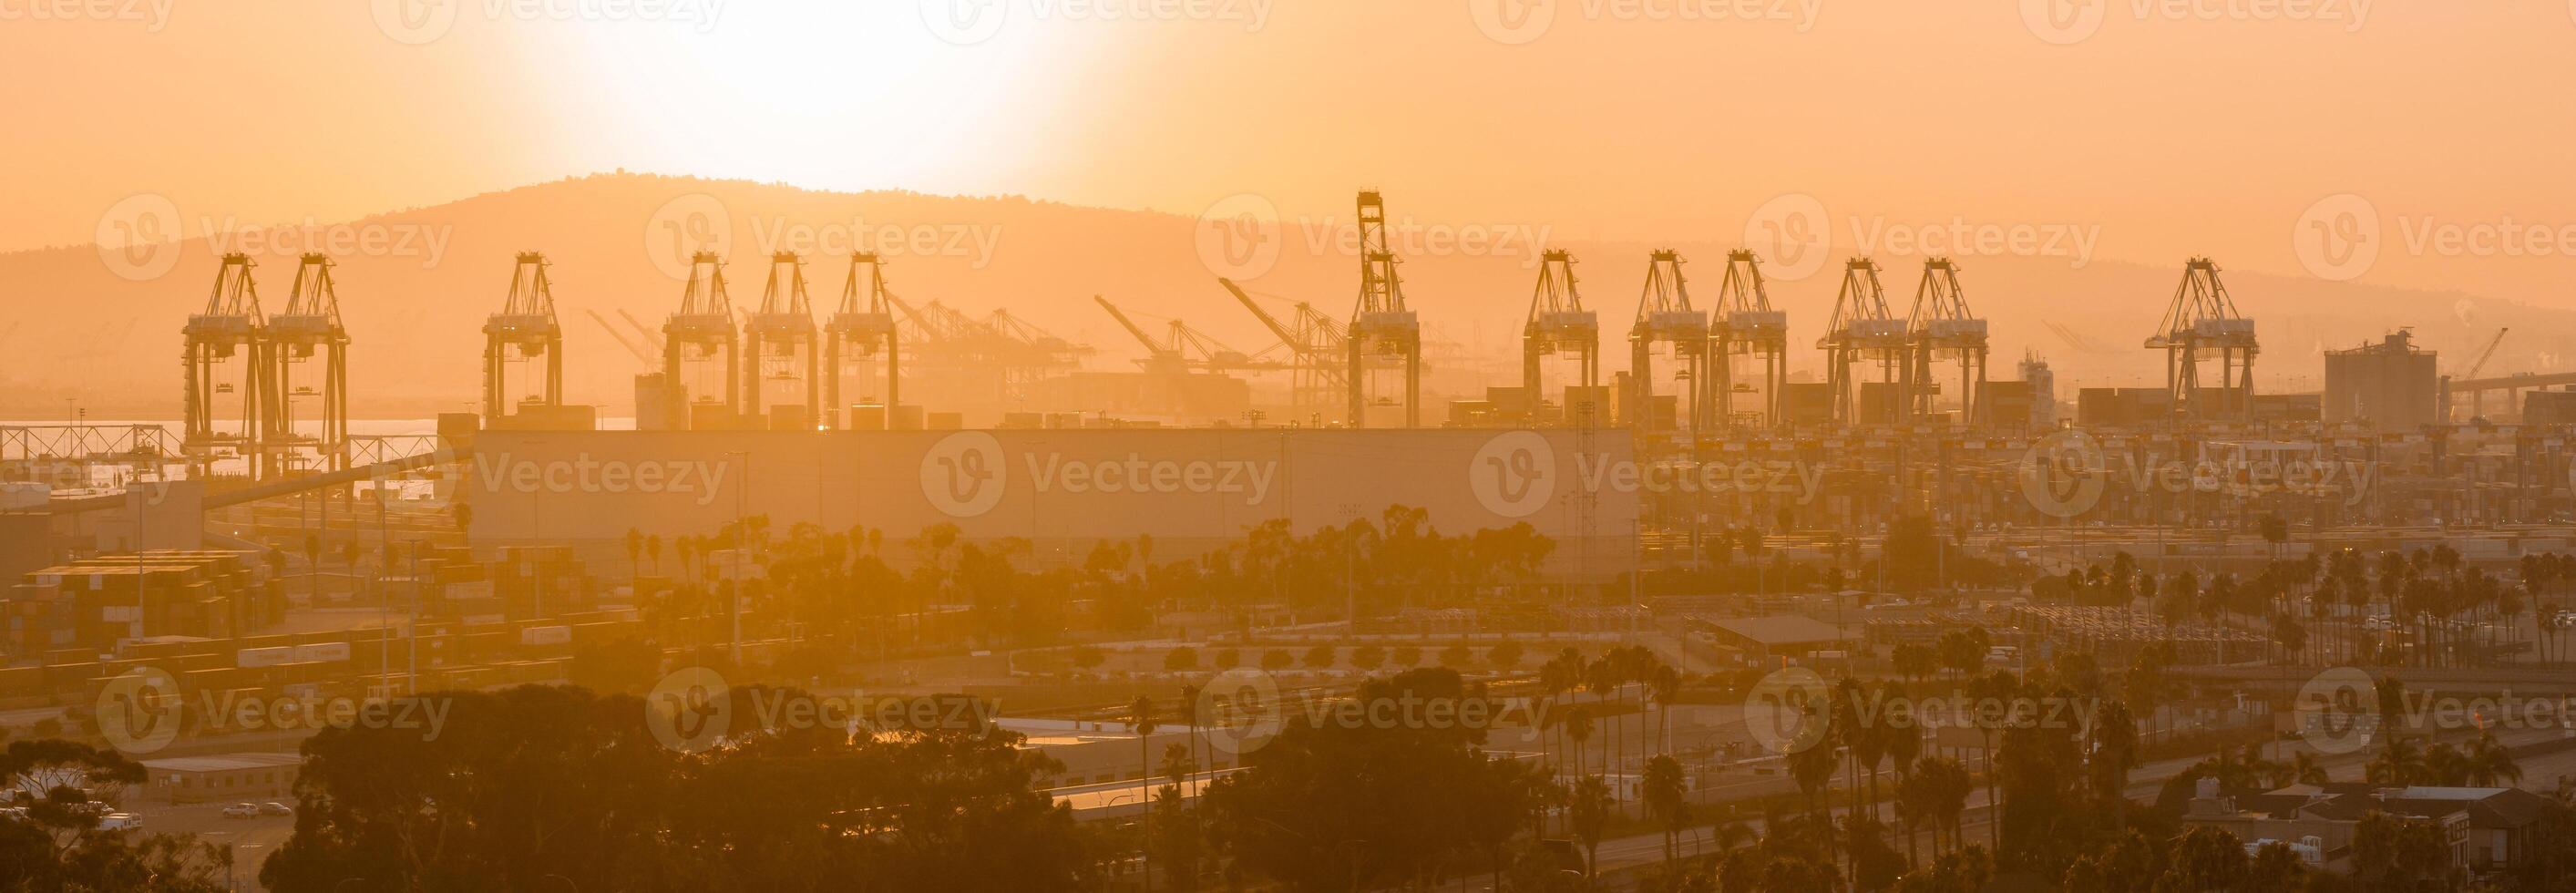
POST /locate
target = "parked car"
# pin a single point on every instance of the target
(242, 811)
(120, 821)
(274, 808)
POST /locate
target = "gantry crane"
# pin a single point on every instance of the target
(307, 328)
(2204, 319)
(863, 329)
(779, 349)
(1863, 331)
(699, 337)
(229, 333)
(1558, 324)
(1185, 349)
(525, 330)
(1665, 316)
(1944, 328)
(1747, 325)
(1381, 325)
(1314, 343)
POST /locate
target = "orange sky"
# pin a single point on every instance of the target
(2159, 129)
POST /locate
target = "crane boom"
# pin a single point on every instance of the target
(650, 358)
(1151, 347)
(2489, 352)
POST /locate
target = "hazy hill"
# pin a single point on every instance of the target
(415, 303)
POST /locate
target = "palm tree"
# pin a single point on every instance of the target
(1665, 797)
(2305, 769)
(2489, 763)
(1588, 809)
(2399, 763)
(1141, 714)
(1578, 729)
(1667, 685)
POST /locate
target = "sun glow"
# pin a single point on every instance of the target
(841, 96)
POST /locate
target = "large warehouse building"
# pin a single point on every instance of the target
(1061, 490)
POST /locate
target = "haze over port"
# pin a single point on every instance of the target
(1135, 445)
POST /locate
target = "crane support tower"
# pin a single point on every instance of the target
(309, 328)
(1665, 317)
(1944, 329)
(699, 337)
(226, 353)
(2201, 322)
(1747, 325)
(1381, 325)
(1863, 331)
(1558, 324)
(779, 351)
(862, 330)
(526, 329)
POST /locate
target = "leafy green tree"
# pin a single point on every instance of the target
(1181, 659)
